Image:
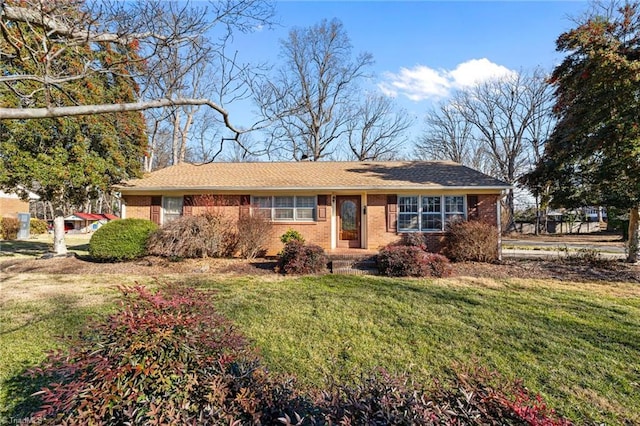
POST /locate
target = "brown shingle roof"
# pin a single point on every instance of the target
(313, 175)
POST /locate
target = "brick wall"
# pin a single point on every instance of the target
(318, 233)
(487, 211)
(10, 207)
(229, 205)
(380, 236)
(138, 206)
(377, 223)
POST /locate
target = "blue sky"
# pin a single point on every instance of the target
(425, 49)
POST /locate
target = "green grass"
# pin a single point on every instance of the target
(576, 344)
(33, 324)
(579, 348)
(41, 244)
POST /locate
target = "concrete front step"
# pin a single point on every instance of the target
(354, 266)
(354, 271)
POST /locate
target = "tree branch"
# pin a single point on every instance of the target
(68, 111)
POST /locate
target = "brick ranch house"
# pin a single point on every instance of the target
(336, 205)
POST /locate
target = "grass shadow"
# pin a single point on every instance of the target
(21, 387)
(28, 248)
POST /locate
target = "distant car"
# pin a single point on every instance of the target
(68, 226)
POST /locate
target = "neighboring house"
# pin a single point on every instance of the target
(86, 222)
(336, 205)
(11, 204)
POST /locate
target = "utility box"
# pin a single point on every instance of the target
(24, 219)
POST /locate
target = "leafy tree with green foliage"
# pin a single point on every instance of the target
(593, 154)
(68, 160)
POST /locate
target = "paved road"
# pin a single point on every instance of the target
(551, 249)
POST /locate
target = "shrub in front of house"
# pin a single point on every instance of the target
(414, 239)
(9, 227)
(37, 226)
(411, 261)
(166, 358)
(208, 235)
(474, 241)
(254, 232)
(300, 258)
(123, 239)
(291, 235)
(469, 398)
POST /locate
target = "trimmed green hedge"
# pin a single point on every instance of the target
(123, 239)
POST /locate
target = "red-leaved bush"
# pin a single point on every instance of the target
(412, 261)
(299, 258)
(165, 358)
(467, 399)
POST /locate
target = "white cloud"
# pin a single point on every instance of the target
(421, 82)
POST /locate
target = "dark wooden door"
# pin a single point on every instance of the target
(348, 221)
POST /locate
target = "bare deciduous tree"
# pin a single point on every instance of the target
(309, 98)
(448, 136)
(376, 131)
(506, 115)
(144, 28)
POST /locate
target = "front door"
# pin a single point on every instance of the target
(348, 221)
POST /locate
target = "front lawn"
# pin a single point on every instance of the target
(577, 344)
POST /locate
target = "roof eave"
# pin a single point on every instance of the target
(124, 189)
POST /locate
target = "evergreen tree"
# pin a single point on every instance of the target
(68, 160)
(593, 155)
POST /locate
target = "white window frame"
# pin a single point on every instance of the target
(445, 214)
(300, 210)
(434, 213)
(167, 217)
(409, 211)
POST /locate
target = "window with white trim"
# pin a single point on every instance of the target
(429, 213)
(262, 206)
(408, 217)
(285, 208)
(454, 209)
(171, 208)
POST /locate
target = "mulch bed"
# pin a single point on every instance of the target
(565, 270)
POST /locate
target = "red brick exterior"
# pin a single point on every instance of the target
(379, 219)
(379, 234)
